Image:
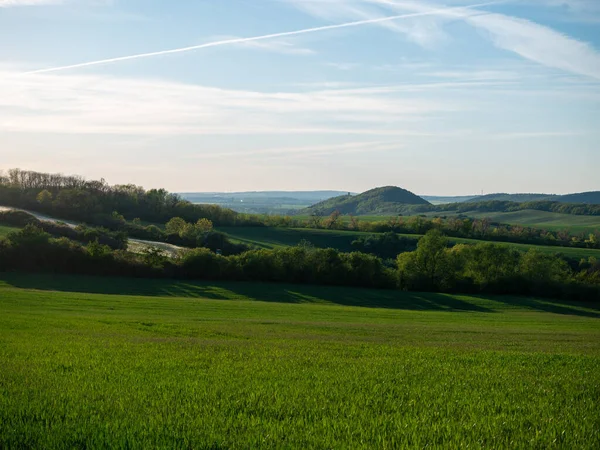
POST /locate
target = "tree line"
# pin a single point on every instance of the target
(496, 206)
(433, 266)
(75, 198)
(116, 240)
(132, 209)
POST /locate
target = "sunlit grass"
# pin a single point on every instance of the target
(270, 238)
(205, 365)
(4, 230)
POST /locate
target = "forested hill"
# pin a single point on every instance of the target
(590, 198)
(383, 200)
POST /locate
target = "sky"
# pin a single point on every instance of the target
(451, 98)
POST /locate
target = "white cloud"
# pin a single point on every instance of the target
(237, 41)
(425, 31)
(14, 3)
(101, 104)
(540, 44)
(528, 39)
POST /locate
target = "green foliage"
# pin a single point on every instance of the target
(230, 366)
(73, 197)
(97, 250)
(17, 218)
(29, 238)
(583, 197)
(175, 226)
(510, 206)
(433, 266)
(203, 226)
(44, 198)
(385, 200)
(264, 237)
(385, 245)
(489, 268)
(429, 266)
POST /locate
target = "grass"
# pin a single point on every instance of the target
(201, 365)
(270, 238)
(543, 219)
(531, 218)
(4, 230)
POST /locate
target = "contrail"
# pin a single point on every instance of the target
(259, 38)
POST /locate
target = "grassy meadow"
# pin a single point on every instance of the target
(98, 363)
(542, 219)
(270, 238)
(531, 218)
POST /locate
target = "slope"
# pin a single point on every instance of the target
(591, 198)
(383, 200)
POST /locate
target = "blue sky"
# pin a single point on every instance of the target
(439, 98)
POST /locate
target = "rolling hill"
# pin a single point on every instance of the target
(262, 202)
(383, 200)
(592, 198)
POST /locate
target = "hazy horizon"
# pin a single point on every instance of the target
(446, 99)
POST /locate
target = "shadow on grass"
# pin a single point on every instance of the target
(287, 293)
(592, 309)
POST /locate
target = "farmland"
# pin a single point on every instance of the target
(269, 238)
(234, 365)
(542, 219)
(532, 218)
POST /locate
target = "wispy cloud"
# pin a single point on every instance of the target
(304, 152)
(342, 65)
(281, 46)
(540, 44)
(423, 30)
(237, 41)
(101, 104)
(528, 39)
(475, 74)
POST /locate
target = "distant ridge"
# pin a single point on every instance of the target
(383, 200)
(592, 198)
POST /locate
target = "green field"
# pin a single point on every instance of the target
(531, 218)
(264, 237)
(542, 219)
(169, 364)
(269, 238)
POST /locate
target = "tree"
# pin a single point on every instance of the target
(44, 198)
(428, 266)
(188, 231)
(204, 226)
(592, 240)
(97, 250)
(315, 221)
(332, 221)
(487, 264)
(430, 254)
(541, 268)
(154, 257)
(29, 237)
(118, 217)
(175, 225)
